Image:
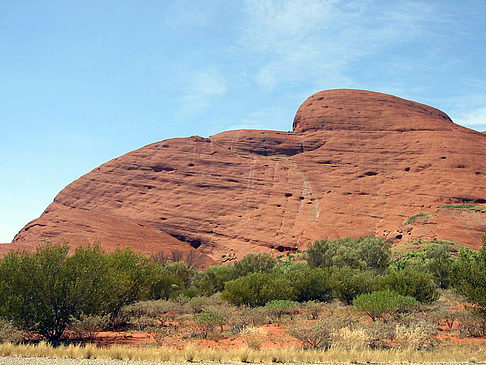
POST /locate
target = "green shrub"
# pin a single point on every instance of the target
(254, 263)
(310, 284)
(44, 291)
(278, 308)
(257, 289)
(85, 326)
(436, 259)
(409, 282)
(207, 322)
(311, 309)
(469, 276)
(382, 304)
(213, 279)
(348, 283)
(365, 253)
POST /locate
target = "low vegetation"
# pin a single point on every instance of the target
(350, 296)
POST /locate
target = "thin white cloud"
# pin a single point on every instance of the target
(201, 90)
(317, 40)
(475, 119)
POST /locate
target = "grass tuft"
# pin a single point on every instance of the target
(191, 353)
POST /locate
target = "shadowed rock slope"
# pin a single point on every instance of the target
(357, 163)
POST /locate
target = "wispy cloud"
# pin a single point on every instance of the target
(201, 90)
(316, 41)
(475, 119)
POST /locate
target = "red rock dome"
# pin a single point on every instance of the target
(344, 109)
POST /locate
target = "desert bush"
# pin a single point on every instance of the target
(278, 308)
(150, 308)
(254, 263)
(472, 324)
(417, 335)
(317, 336)
(381, 334)
(444, 316)
(42, 292)
(161, 333)
(350, 338)
(348, 283)
(409, 282)
(85, 327)
(311, 309)
(365, 253)
(254, 337)
(9, 333)
(249, 317)
(321, 334)
(310, 283)
(213, 279)
(469, 276)
(257, 289)
(197, 304)
(383, 304)
(207, 322)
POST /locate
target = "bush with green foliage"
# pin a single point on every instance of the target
(207, 322)
(257, 289)
(45, 291)
(383, 304)
(409, 282)
(213, 279)
(254, 263)
(278, 308)
(365, 253)
(348, 283)
(310, 283)
(469, 276)
(436, 259)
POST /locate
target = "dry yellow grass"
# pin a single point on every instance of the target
(456, 353)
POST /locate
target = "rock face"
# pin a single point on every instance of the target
(357, 163)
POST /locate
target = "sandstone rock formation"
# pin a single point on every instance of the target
(357, 163)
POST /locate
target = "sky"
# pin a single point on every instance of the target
(82, 82)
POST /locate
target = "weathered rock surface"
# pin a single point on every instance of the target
(357, 163)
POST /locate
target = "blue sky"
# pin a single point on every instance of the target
(83, 82)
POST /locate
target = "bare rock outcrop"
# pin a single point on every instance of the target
(357, 163)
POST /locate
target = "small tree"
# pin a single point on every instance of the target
(45, 291)
(365, 253)
(262, 263)
(310, 284)
(382, 304)
(469, 277)
(409, 282)
(257, 289)
(348, 283)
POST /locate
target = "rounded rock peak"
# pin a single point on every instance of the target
(349, 109)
